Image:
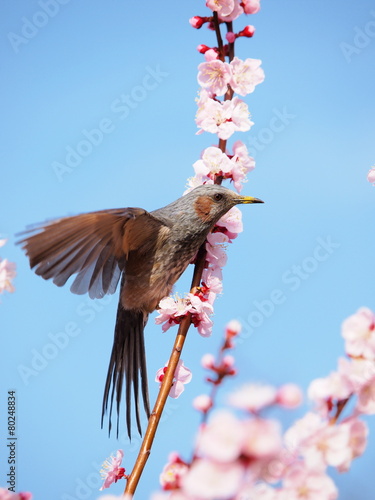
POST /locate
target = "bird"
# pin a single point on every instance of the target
(147, 252)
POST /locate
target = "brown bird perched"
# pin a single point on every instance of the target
(148, 250)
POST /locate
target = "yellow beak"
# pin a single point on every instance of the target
(248, 199)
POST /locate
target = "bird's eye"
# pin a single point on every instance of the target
(218, 197)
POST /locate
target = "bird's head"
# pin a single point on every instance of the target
(210, 202)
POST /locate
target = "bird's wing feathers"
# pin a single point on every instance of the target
(93, 246)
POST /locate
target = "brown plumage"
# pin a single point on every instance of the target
(148, 250)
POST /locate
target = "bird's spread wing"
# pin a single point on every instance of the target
(92, 246)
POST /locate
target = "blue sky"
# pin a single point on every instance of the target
(313, 141)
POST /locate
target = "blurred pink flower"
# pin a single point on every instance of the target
(202, 403)
(262, 438)
(251, 6)
(215, 76)
(358, 432)
(289, 396)
(182, 375)
(357, 372)
(253, 397)
(302, 483)
(323, 390)
(7, 273)
(5, 494)
(245, 75)
(173, 472)
(359, 333)
(207, 479)
(319, 442)
(233, 329)
(371, 175)
(366, 398)
(112, 471)
(222, 438)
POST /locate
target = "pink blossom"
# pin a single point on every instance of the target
(248, 31)
(222, 118)
(366, 398)
(5, 494)
(211, 55)
(2, 243)
(358, 432)
(197, 21)
(213, 162)
(371, 175)
(212, 284)
(208, 361)
(357, 372)
(112, 471)
(320, 443)
(323, 390)
(207, 479)
(253, 397)
(201, 312)
(215, 76)
(230, 36)
(215, 247)
(245, 75)
(171, 312)
(173, 472)
(289, 396)
(232, 329)
(243, 163)
(231, 222)
(221, 439)
(259, 491)
(7, 273)
(112, 497)
(202, 48)
(262, 438)
(182, 375)
(251, 6)
(236, 12)
(301, 483)
(225, 7)
(328, 446)
(359, 333)
(202, 403)
(240, 115)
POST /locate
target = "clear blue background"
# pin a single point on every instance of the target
(311, 172)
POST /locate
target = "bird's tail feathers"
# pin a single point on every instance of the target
(127, 362)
